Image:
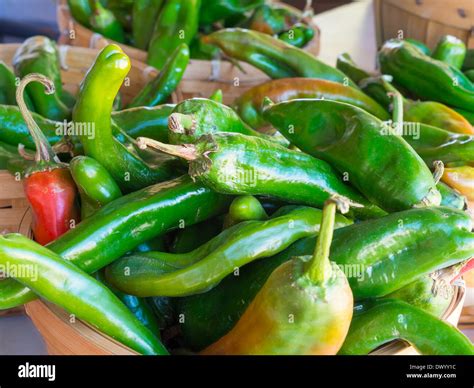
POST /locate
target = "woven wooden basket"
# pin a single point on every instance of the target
(425, 20)
(222, 74)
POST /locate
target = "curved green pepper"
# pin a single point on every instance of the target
(196, 117)
(364, 245)
(177, 24)
(356, 144)
(8, 85)
(93, 110)
(237, 164)
(275, 58)
(62, 283)
(215, 10)
(144, 15)
(249, 104)
(104, 22)
(424, 76)
(450, 50)
(39, 54)
(80, 11)
(433, 143)
(145, 278)
(451, 197)
(419, 45)
(388, 319)
(136, 218)
(159, 89)
(94, 183)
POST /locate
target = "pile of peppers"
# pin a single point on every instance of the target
(160, 26)
(324, 212)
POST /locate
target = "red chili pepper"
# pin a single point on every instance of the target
(48, 185)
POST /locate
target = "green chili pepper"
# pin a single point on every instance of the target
(273, 19)
(249, 104)
(468, 60)
(8, 84)
(94, 108)
(470, 74)
(431, 293)
(80, 11)
(146, 278)
(295, 37)
(190, 238)
(419, 45)
(39, 54)
(389, 319)
(274, 57)
(350, 68)
(150, 122)
(399, 237)
(177, 24)
(136, 218)
(451, 197)
(215, 10)
(354, 142)
(237, 164)
(217, 96)
(450, 50)
(158, 90)
(424, 76)
(62, 283)
(304, 307)
(144, 15)
(244, 208)
(104, 22)
(96, 186)
(195, 117)
(433, 144)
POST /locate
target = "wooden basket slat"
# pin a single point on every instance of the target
(425, 20)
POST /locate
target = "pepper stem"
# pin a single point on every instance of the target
(397, 98)
(438, 166)
(319, 268)
(179, 123)
(44, 151)
(185, 151)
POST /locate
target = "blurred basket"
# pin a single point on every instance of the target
(196, 81)
(424, 20)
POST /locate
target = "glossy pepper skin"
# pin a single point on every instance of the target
(150, 122)
(249, 104)
(80, 11)
(304, 307)
(137, 218)
(144, 16)
(451, 197)
(96, 186)
(8, 84)
(62, 283)
(460, 178)
(104, 22)
(39, 54)
(274, 57)
(48, 185)
(450, 50)
(401, 236)
(419, 45)
(237, 164)
(424, 76)
(244, 208)
(232, 296)
(94, 108)
(177, 24)
(352, 141)
(433, 144)
(145, 278)
(389, 319)
(196, 117)
(159, 89)
(215, 10)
